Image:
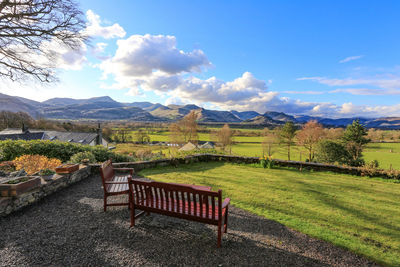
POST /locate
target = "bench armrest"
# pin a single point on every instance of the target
(226, 203)
(116, 182)
(131, 170)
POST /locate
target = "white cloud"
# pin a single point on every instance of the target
(304, 92)
(93, 27)
(347, 59)
(384, 85)
(140, 55)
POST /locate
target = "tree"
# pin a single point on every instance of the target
(286, 135)
(185, 130)
(123, 135)
(141, 136)
(354, 141)
(309, 136)
(334, 133)
(225, 137)
(10, 119)
(28, 27)
(269, 140)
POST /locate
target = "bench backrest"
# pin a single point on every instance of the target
(106, 171)
(178, 199)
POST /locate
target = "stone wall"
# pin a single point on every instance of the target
(140, 165)
(11, 204)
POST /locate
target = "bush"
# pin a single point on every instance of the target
(34, 163)
(267, 162)
(7, 166)
(81, 156)
(11, 149)
(328, 151)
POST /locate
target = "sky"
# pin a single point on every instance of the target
(319, 58)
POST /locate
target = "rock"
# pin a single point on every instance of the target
(18, 173)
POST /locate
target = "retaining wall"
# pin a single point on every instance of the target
(11, 204)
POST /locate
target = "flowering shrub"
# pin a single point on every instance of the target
(34, 163)
(267, 162)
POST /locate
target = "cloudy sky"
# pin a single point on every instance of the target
(323, 58)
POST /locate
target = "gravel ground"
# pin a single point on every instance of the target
(70, 228)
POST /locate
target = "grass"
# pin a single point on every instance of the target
(356, 213)
(387, 154)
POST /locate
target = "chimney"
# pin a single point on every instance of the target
(99, 135)
(24, 129)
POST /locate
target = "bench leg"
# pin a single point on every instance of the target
(105, 203)
(226, 221)
(132, 215)
(219, 234)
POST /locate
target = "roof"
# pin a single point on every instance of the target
(81, 138)
(73, 137)
(22, 136)
(189, 146)
(207, 145)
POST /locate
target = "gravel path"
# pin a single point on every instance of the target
(70, 228)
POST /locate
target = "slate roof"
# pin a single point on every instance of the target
(188, 147)
(207, 145)
(73, 137)
(22, 136)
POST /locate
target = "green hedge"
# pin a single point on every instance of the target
(10, 149)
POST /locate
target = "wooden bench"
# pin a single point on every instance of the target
(114, 184)
(195, 203)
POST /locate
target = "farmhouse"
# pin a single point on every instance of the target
(24, 133)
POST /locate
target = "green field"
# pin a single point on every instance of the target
(356, 213)
(387, 154)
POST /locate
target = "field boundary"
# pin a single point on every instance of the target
(358, 171)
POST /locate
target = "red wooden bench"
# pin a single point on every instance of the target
(195, 203)
(114, 184)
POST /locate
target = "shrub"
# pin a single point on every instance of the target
(7, 166)
(81, 156)
(11, 149)
(34, 163)
(267, 162)
(144, 154)
(46, 172)
(330, 152)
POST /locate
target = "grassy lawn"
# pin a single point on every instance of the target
(356, 213)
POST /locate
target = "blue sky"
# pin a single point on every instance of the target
(323, 58)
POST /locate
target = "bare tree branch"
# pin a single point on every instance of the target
(26, 25)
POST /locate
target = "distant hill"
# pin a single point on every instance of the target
(245, 115)
(106, 108)
(263, 120)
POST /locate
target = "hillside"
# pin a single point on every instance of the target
(106, 108)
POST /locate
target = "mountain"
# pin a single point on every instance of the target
(205, 115)
(70, 101)
(19, 104)
(279, 116)
(263, 120)
(173, 112)
(106, 108)
(384, 123)
(245, 115)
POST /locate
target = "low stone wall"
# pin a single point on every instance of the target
(140, 165)
(11, 204)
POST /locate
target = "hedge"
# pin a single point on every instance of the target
(10, 149)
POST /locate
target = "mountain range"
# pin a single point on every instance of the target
(105, 108)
